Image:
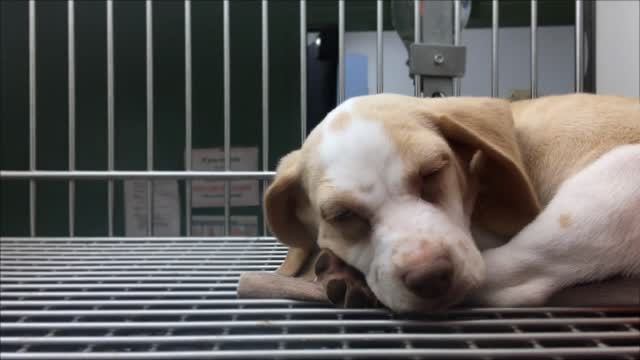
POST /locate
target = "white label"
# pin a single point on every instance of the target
(209, 193)
(166, 208)
(207, 225)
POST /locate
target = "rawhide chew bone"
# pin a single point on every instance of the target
(270, 285)
(334, 282)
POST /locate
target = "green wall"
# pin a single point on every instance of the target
(169, 97)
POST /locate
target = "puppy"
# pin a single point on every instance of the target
(436, 201)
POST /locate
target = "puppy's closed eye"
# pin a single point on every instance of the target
(343, 215)
(352, 223)
(430, 182)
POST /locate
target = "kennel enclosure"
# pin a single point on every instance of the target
(77, 285)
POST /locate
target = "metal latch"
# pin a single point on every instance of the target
(437, 60)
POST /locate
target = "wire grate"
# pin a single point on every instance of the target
(163, 298)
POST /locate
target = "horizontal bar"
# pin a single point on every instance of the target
(325, 311)
(149, 279)
(143, 253)
(132, 175)
(136, 261)
(508, 353)
(152, 302)
(46, 274)
(102, 257)
(181, 312)
(133, 285)
(102, 239)
(206, 324)
(180, 339)
(220, 251)
(149, 267)
(119, 294)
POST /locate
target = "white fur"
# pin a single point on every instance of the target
(361, 160)
(598, 237)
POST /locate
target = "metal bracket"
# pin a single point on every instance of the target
(437, 60)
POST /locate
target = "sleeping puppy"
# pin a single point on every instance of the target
(436, 201)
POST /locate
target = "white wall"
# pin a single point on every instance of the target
(555, 60)
(618, 47)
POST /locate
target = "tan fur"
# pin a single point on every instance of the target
(340, 121)
(560, 135)
(564, 220)
(521, 153)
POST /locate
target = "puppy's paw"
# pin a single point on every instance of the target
(344, 285)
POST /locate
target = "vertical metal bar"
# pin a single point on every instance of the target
(340, 51)
(417, 38)
(579, 46)
(303, 70)
(32, 115)
(265, 98)
(227, 110)
(534, 49)
(495, 28)
(71, 72)
(187, 108)
(379, 48)
(456, 40)
(149, 58)
(110, 114)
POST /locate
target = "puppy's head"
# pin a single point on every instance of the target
(391, 185)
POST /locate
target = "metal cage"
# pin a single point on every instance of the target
(154, 297)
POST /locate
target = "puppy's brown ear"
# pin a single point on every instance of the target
(508, 201)
(283, 201)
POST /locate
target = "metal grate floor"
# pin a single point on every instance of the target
(162, 298)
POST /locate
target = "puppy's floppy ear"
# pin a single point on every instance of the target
(283, 200)
(508, 201)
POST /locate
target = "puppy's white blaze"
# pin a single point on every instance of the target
(361, 159)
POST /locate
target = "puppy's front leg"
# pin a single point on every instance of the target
(589, 231)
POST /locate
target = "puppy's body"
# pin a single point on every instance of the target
(394, 185)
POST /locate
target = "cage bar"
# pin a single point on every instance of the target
(131, 175)
(32, 115)
(149, 88)
(341, 53)
(379, 47)
(579, 49)
(110, 115)
(188, 111)
(417, 38)
(227, 108)
(495, 30)
(265, 97)
(534, 49)
(457, 30)
(71, 73)
(303, 70)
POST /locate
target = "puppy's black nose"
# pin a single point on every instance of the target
(430, 280)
